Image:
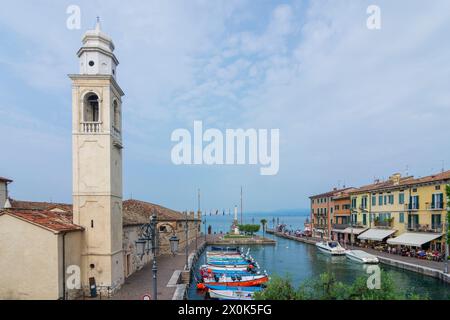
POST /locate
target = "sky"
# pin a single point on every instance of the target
(352, 104)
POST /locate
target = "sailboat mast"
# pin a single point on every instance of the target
(242, 220)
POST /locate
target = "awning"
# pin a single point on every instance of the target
(376, 234)
(355, 231)
(414, 239)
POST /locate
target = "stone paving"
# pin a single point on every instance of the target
(141, 282)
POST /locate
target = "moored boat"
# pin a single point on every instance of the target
(361, 256)
(237, 281)
(231, 294)
(331, 247)
(220, 287)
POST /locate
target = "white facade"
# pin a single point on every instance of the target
(97, 162)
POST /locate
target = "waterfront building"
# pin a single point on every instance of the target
(322, 210)
(407, 208)
(92, 241)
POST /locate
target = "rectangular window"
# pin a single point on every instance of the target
(437, 201)
(391, 199)
(374, 200)
(401, 198)
(414, 202)
(401, 217)
(364, 219)
(385, 200)
(380, 200)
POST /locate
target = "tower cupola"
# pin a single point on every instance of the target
(97, 53)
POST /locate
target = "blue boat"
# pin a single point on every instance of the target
(251, 289)
(227, 263)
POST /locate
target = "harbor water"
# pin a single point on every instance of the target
(302, 261)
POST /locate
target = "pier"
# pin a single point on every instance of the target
(425, 267)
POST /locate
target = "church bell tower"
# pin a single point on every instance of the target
(97, 161)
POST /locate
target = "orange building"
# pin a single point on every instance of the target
(323, 208)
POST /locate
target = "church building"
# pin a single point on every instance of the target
(92, 240)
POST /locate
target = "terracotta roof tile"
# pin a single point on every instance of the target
(403, 182)
(54, 221)
(330, 193)
(139, 212)
(135, 212)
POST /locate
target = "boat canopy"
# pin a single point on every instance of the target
(376, 234)
(355, 231)
(414, 239)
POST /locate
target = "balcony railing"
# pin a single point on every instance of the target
(341, 226)
(412, 206)
(383, 223)
(435, 206)
(421, 227)
(91, 127)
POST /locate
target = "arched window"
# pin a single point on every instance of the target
(91, 108)
(116, 122)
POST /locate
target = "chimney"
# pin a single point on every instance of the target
(395, 178)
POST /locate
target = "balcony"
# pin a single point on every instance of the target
(412, 206)
(436, 227)
(341, 226)
(435, 206)
(387, 223)
(91, 127)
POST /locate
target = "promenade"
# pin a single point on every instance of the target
(141, 282)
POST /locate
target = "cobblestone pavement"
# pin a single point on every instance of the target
(141, 282)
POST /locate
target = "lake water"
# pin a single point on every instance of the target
(303, 261)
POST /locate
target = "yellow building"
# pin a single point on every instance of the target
(412, 209)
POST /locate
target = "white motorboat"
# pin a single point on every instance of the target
(331, 247)
(361, 256)
(231, 294)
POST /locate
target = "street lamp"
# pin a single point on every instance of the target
(149, 239)
(187, 241)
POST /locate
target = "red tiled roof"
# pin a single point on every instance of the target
(403, 182)
(139, 212)
(135, 212)
(32, 205)
(53, 221)
(329, 193)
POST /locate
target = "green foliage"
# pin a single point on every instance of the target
(278, 289)
(326, 287)
(249, 228)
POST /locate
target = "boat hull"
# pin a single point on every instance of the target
(246, 283)
(231, 295)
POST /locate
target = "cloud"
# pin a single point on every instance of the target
(350, 103)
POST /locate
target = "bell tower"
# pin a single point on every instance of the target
(97, 161)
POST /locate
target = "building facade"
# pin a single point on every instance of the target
(322, 212)
(57, 251)
(403, 205)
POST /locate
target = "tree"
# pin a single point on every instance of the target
(326, 287)
(249, 228)
(264, 223)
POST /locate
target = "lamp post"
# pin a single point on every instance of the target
(147, 239)
(204, 222)
(187, 241)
